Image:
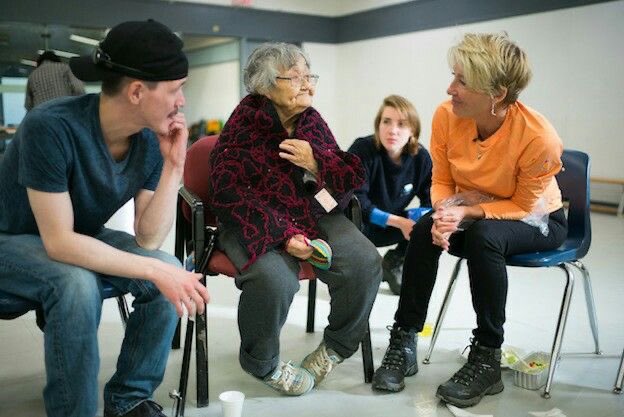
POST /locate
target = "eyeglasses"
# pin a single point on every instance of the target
(297, 80)
(100, 57)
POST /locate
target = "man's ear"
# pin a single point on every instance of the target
(134, 91)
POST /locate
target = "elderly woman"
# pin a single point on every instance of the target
(398, 169)
(483, 140)
(278, 181)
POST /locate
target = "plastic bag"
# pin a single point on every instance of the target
(538, 217)
(466, 198)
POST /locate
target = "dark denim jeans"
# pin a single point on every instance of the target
(484, 244)
(72, 304)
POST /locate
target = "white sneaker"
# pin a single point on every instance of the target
(290, 380)
(321, 362)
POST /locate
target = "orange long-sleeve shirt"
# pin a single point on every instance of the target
(517, 165)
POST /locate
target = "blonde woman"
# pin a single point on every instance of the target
(483, 140)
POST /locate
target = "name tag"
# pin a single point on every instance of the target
(326, 200)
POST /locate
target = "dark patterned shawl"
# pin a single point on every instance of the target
(261, 194)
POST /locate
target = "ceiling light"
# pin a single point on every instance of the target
(28, 62)
(64, 54)
(83, 39)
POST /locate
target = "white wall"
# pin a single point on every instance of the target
(577, 59)
(211, 91)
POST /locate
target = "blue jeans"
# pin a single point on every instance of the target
(72, 304)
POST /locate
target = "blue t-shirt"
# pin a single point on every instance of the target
(59, 147)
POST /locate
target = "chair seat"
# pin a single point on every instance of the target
(110, 291)
(567, 252)
(13, 306)
(220, 264)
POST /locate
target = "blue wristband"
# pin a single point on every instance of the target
(379, 217)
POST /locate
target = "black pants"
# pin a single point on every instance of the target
(386, 236)
(484, 245)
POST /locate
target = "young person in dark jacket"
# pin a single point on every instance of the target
(397, 168)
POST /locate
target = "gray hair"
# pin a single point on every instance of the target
(267, 61)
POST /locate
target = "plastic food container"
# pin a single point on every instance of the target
(532, 371)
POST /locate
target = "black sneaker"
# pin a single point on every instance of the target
(147, 408)
(392, 266)
(398, 362)
(480, 376)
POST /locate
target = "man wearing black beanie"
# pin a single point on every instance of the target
(72, 164)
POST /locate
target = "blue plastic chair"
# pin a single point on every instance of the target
(574, 184)
(12, 306)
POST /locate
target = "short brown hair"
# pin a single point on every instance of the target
(407, 110)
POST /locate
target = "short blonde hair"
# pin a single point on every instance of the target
(407, 110)
(491, 61)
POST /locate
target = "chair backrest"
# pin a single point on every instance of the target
(197, 174)
(574, 184)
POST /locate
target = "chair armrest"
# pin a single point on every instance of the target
(202, 236)
(190, 198)
(198, 227)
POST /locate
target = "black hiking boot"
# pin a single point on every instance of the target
(480, 376)
(398, 362)
(392, 266)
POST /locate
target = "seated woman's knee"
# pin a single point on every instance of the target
(422, 228)
(482, 235)
(268, 278)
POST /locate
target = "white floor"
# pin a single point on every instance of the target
(583, 381)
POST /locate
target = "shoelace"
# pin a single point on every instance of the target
(393, 359)
(470, 370)
(287, 376)
(467, 373)
(322, 363)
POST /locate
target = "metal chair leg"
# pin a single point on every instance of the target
(561, 323)
(620, 376)
(175, 343)
(311, 306)
(367, 356)
(443, 308)
(591, 306)
(123, 309)
(201, 357)
(180, 395)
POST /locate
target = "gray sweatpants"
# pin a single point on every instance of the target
(270, 283)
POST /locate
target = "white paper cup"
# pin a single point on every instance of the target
(232, 403)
